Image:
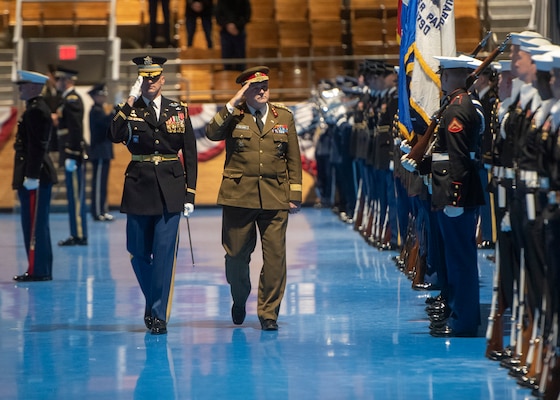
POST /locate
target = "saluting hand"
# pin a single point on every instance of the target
(238, 97)
(136, 89)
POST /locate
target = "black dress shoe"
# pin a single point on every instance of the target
(103, 217)
(437, 324)
(31, 278)
(486, 244)
(159, 327)
(435, 307)
(519, 371)
(269, 325)
(528, 382)
(148, 321)
(499, 355)
(72, 241)
(387, 247)
(510, 363)
(238, 314)
(439, 316)
(431, 300)
(447, 331)
(425, 286)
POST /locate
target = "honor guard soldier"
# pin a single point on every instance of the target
(456, 195)
(535, 191)
(70, 133)
(159, 184)
(548, 383)
(485, 89)
(261, 185)
(34, 176)
(100, 151)
(383, 161)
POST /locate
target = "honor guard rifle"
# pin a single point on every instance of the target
(481, 44)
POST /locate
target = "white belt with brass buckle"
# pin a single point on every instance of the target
(509, 173)
(530, 178)
(445, 156)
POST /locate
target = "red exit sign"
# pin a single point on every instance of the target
(67, 52)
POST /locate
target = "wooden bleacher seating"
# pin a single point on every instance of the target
(326, 33)
(223, 83)
(294, 34)
(262, 10)
(467, 33)
(262, 39)
(291, 10)
(324, 10)
(367, 35)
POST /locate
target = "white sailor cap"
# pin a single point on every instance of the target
(31, 77)
(505, 65)
(555, 59)
(534, 45)
(461, 61)
(517, 36)
(543, 62)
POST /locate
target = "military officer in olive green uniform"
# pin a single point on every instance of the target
(261, 185)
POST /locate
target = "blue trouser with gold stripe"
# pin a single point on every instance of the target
(76, 195)
(153, 241)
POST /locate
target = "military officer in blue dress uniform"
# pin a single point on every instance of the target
(456, 194)
(70, 133)
(159, 185)
(34, 176)
(261, 185)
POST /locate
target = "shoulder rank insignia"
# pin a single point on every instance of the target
(455, 126)
(279, 106)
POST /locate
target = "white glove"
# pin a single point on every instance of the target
(189, 209)
(405, 147)
(136, 89)
(30, 183)
(452, 211)
(70, 165)
(408, 163)
(505, 225)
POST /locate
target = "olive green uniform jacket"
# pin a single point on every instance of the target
(261, 170)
